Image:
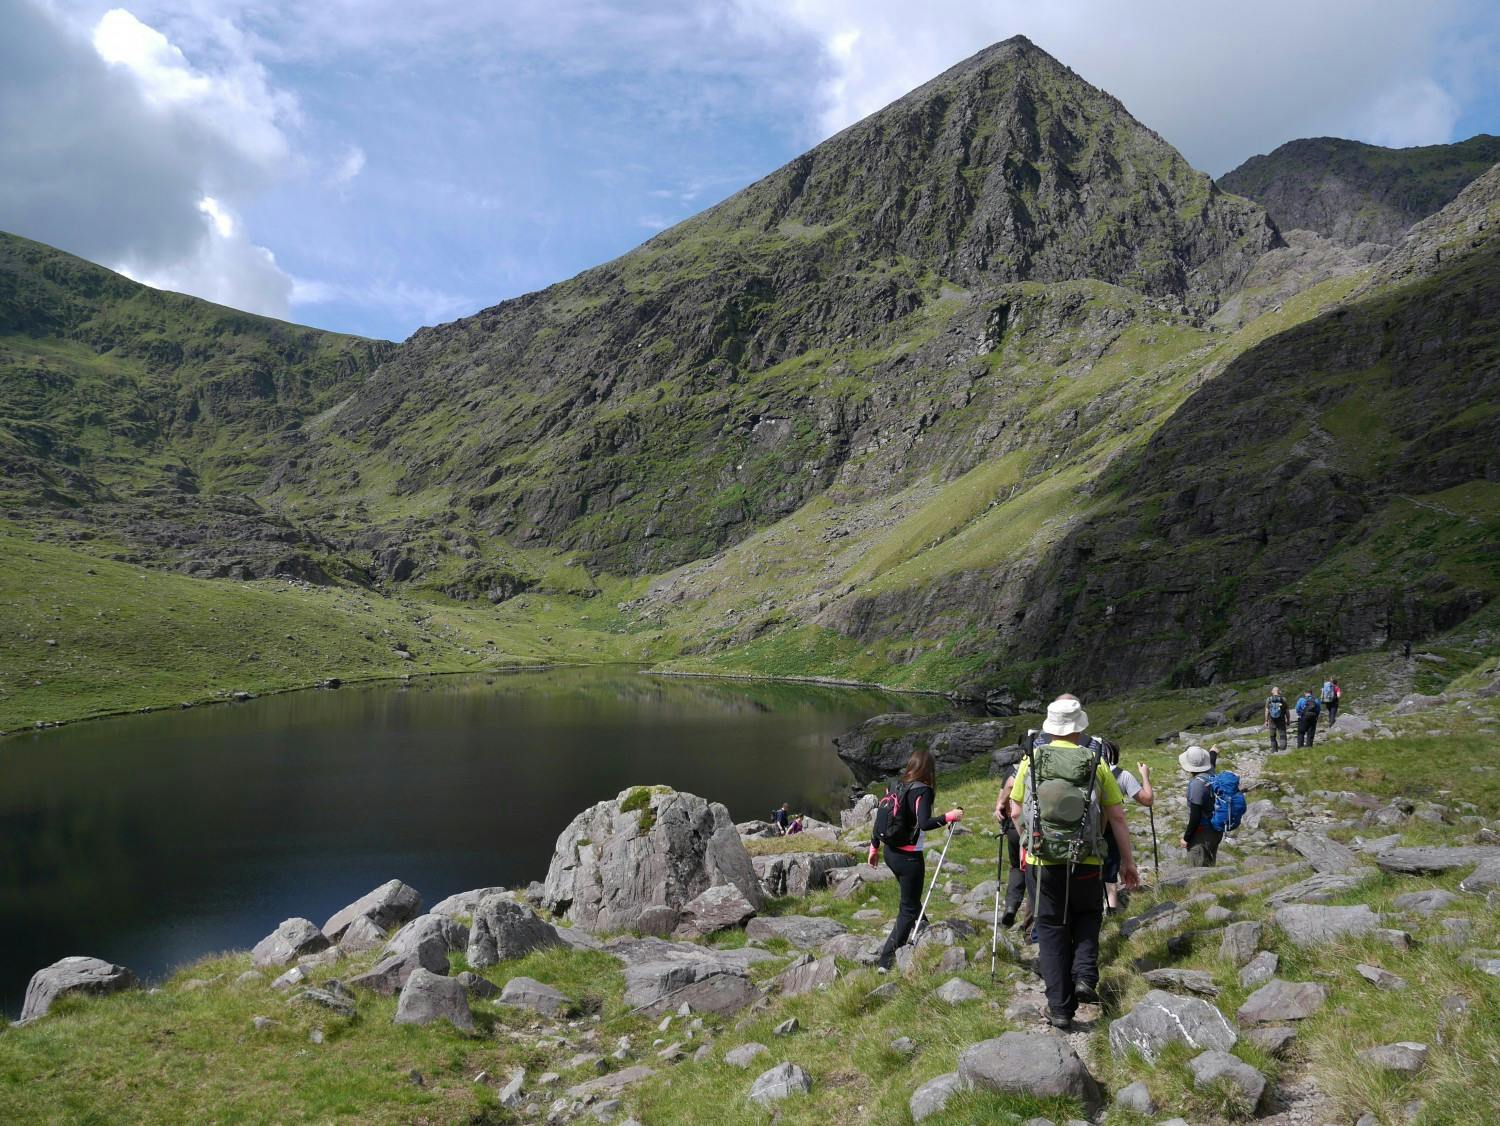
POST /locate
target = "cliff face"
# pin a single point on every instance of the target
(1354, 193)
(658, 408)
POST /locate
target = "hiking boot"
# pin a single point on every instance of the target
(1008, 919)
(1060, 1021)
(1085, 993)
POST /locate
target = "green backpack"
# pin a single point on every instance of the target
(1062, 815)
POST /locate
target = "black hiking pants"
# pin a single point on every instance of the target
(1203, 847)
(910, 868)
(1307, 727)
(1015, 879)
(1278, 731)
(1333, 712)
(1069, 912)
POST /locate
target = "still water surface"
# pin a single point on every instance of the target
(152, 840)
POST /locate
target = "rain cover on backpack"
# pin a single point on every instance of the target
(1062, 803)
(1229, 803)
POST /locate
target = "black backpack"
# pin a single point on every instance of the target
(895, 819)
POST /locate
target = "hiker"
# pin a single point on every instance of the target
(1015, 879)
(914, 794)
(1326, 698)
(1065, 849)
(1142, 794)
(1276, 713)
(1200, 838)
(1307, 719)
(1335, 698)
(795, 826)
(779, 818)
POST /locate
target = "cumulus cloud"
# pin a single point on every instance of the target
(1221, 82)
(114, 146)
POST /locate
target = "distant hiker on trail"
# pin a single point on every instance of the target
(780, 817)
(795, 826)
(1200, 838)
(1015, 879)
(1142, 794)
(1406, 649)
(1307, 719)
(1276, 719)
(1063, 796)
(1333, 695)
(901, 821)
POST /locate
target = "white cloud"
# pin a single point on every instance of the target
(349, 168)
(1221, 82)
(115, 146)
(1414, 113)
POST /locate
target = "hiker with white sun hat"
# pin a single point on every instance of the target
(1200, 838)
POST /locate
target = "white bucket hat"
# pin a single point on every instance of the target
(1194, 760)
(1065, 716)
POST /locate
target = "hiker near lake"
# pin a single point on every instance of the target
(905, 842)
(1307, 719)
(1063, 806)
(1138, 791)
(1276, 719)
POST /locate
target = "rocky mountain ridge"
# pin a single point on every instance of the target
(1352, 192)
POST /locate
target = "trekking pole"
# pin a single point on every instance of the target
(917, 929)
(999, 883)
(1155, 856)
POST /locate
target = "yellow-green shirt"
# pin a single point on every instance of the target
(1106, 787)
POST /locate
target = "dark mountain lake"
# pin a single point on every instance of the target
(152, 840)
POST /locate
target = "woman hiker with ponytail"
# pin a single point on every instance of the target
(905, 860)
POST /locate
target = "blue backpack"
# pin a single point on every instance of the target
(1229, 803)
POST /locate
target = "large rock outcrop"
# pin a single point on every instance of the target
(634, 862)
(879, 747)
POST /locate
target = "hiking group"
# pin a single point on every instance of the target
(1307, 709)
(1063, 830)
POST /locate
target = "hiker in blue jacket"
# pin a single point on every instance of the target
(1307, 719)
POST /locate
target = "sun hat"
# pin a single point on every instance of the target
(1065, 716)
(1194, 760)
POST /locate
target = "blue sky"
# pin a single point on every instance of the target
(376, 165)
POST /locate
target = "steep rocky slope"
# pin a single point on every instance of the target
(1354, 193)
(832, 324)
(133, 413)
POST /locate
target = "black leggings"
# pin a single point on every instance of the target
(910, 868)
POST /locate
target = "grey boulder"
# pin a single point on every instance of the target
(956, 991)
(1319, 888)
(389, 905)
(932, 1097)
(1162, 1018)
(1213, 1067)
(807, 975)
(1425, 902)
(1240, 942)
(1484, 878)
(781, 1082)
(1185, 981)
(1271, 1039)
(288, 942)
(1279, 1000)
(1309, 924)
(803, 931)
(75, 974)
(1406, 1057)
(526, 993)
(649, 850)
(463, 902)
(704, 985)
(797, 873)
(718, 908)
(1137, 1097)
(1427, 859)
(426, 997)
(745, 1054)
(503, 929)
(361, 936)
(1030, 1064)
(1323, 854)
(1261, 968)
(1381, 979)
